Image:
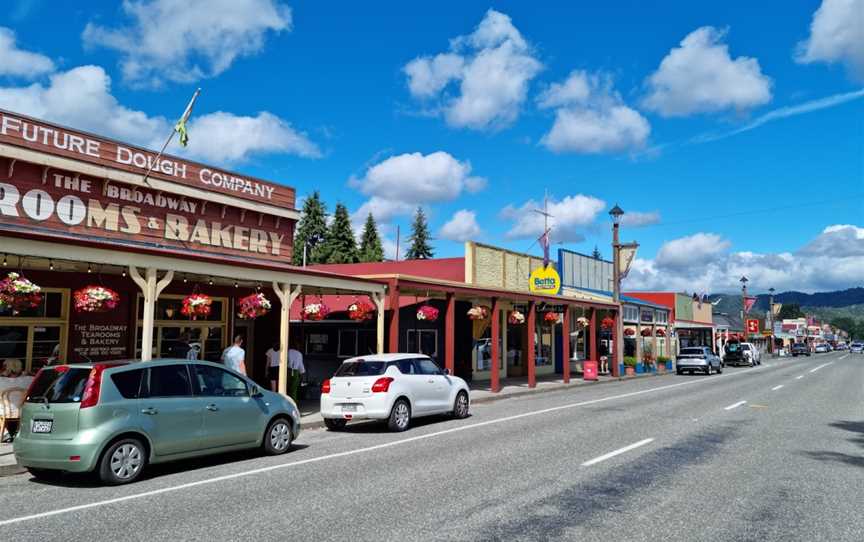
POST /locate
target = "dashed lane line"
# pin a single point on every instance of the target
(775, 388)
(619, 451)
(736, 405)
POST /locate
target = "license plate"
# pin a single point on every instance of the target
(349, 408)
(42, 426)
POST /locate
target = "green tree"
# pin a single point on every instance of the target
(370, 243)
(311, 231)
(341, 247)
(596, 254)
(419, 249)
(789, 311)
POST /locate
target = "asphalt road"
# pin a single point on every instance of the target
(666, 458)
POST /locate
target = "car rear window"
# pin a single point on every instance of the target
(128, 383)
(733, 347)
(58, 385)
(361, 368)
(692, 351)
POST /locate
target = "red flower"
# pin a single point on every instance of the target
(360, 311)
(607, 323)
(427, 313)
(629, 332)
(95, 299)
(196, 305)
(646, 332)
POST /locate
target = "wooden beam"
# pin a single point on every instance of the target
(450, 334)
(496, 349)
(565, 345)
(531, 324)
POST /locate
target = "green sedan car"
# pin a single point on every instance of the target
(115, 418)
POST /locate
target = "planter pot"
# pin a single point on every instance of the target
(629, 370)
(660, 368)
(669, 365)
(620, 368)
(640, 368)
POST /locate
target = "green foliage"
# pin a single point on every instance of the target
(341, 247)
(790, 311)
(630, 361)
(596, 254)
(311, 231)
(420, 248)
(662, 359)
(370, 244)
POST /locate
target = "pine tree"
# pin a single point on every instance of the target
(370, 244)
(596, 254)
(419, 249)
(311, 231)
(341, 247)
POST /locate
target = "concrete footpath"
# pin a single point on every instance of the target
(480, 393)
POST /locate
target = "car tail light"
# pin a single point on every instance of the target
(325, 386)
(93, 386)
(382, 385)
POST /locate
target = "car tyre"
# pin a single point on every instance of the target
(400, 416)
(45, 475)
(719, 370)
(679, 372)
(278, 437)
(122, 462)
(461, 406)
(708, 370)
(334, 424)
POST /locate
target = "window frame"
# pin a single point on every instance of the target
(32, 322)
(158, 324)
(418, 332)
(193, 370)
(149, 378)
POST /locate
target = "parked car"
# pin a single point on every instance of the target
(841, 346)
(698, 358)
(116, 418)
(753, 354)
(857, 348)
(800, 349)
(734, 354)
(391, 387)
(822, 348)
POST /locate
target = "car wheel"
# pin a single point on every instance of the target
(720, 369)
(400, 416)
(679, 372)
(123, 462)
(45, 475)
(334, 424)
(461, 406)
(278, 437)
(708, 370)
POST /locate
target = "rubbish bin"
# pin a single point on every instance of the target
(589, 370)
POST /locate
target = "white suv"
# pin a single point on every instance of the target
(752, 354)
(391, 387)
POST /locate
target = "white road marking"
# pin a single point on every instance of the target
(736, 405)
(844, 356)
(775, 388)
(814, 369)
(799, 377)
(619, 451)
(318, 459)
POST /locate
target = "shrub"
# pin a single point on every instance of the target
(630, 361)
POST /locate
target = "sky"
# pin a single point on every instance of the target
(731, 133)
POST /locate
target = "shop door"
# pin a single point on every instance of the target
(246, 329)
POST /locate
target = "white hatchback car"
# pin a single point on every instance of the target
(391, 387)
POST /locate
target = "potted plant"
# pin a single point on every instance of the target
(19, 294)
(629, 365)
(551, 318)
(515, 318)
(663, 363)
(196, 305)
(427, 313)
(360, 311)
(607, 323)
(629, 332)
(478, 312)
(315, 311)
(253, 306)
(95, 299)
(582, 322)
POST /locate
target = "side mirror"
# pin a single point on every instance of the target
(255, 392)
(445, 371)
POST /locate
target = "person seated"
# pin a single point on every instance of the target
(12, 377)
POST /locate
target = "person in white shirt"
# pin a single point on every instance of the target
(234, 357)
(296, 369)
(13, 386)
(273, 366)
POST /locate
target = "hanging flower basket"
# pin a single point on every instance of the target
(607, 323)
(551, 317)
(427, 313)
(646, 332)
(95, 299)
(19, 294)
(315, 311)
(478, 312)
(360, 311)
(628, 332)
(253, 306)
(197, 306)
(661, 333)
(582, 322)
(515, 318)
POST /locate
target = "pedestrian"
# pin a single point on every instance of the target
(272, 356)
(296, 368)
(234, 357)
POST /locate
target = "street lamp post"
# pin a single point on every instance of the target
(616, 213)
(771, 319)
(743, 281)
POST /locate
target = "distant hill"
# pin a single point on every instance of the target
(841, 298)
(824, 305)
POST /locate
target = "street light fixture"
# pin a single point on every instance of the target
(616, 213)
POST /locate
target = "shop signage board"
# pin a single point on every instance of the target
(752, 325)
(101, 211)
(29, 133)
(544, 280)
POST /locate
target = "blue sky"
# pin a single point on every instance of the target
(474, 110)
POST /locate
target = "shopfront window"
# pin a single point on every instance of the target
(37, 336)
(356, 342)
(179, 337)
(423, 341)
(662, 317)
(543, 338)
(631, 313)
(647, 316)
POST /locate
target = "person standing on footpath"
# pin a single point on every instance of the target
(296, 368)
(234, 357)
(272, 356)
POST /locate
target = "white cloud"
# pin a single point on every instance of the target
(635, 219)
(19, 63)
(82, 98)
(701, 77)
(591, 117)
(493, 67)
(569, 216)
(697, 249)
(834, 260)
(397, 185)
(836, 35)
(184, 41)
(462, 227)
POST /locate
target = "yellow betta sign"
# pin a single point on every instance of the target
(544, 280)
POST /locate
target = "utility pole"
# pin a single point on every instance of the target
(618, 340)
(544, 238)
(744, 281)
(396, 257)
(771, 319)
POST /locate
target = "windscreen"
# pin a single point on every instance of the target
(58, 385)
(361, 368)
(692, 352)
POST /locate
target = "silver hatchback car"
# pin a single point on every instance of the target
(698, 358)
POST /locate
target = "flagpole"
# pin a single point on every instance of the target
(183, 118)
